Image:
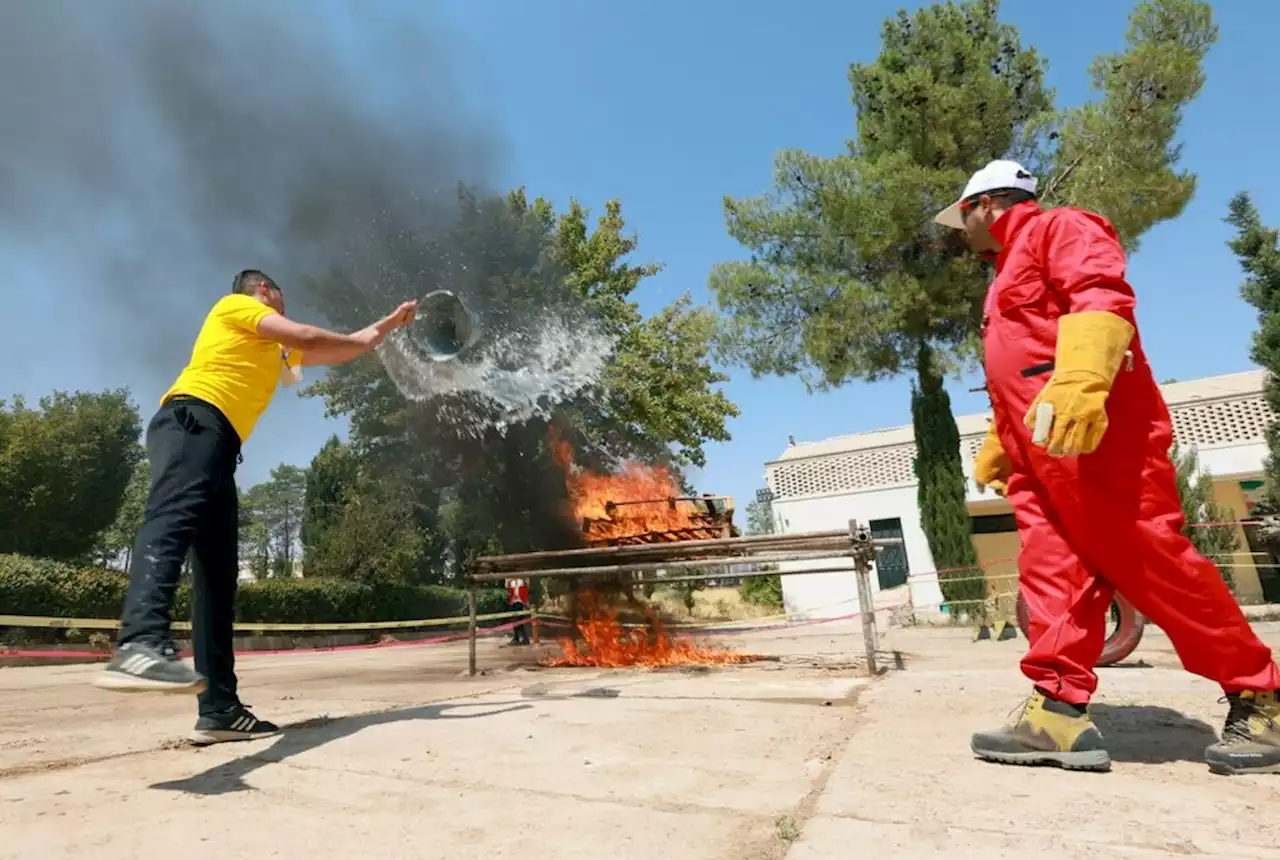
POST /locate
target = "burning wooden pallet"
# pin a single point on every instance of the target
(604, 641)
(657, 521)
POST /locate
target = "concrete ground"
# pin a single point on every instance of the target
(395, 754)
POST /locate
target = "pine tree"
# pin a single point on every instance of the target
(847, 276)
(1257, 247)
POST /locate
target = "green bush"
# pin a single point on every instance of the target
(762, 590)
(31, 586)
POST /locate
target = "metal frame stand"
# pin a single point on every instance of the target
(689, 561)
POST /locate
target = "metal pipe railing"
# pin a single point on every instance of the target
(652, 566)
(835, 539)
(854, 543)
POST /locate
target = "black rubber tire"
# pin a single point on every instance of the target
(1119, 645)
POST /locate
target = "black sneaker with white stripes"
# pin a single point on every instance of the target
(140, 668)
(234, 724)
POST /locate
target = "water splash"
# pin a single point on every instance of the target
(504, 379)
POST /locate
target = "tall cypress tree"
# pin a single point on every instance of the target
(944, 515)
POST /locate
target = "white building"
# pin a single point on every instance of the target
(869, 477)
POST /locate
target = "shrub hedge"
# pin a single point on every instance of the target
(762, 591)
(33, 586)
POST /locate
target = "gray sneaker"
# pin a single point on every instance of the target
(139, 668)
(233, 724)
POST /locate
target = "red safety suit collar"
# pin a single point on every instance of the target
(1010, 224)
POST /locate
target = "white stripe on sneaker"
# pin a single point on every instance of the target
(138, 664)
(243, 723)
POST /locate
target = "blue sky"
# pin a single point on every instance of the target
(670, 105)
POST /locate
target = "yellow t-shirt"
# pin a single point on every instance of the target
(232, 367)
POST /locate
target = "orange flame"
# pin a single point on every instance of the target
(608, 644)
(641, 502)
(644, 498)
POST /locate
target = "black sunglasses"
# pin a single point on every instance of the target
(970, 203)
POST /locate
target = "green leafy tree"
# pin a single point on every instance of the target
(273, 510)
(374, 537)
(1202, 512)
(255, 536)
(285, 495)
(761, 590)
(118, 538)
(64, 468)
(330, 478)
(515, 261)
(658, 398)
(760, 517)
(849, 279)
(1257, 247)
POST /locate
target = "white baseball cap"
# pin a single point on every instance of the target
(996, 176)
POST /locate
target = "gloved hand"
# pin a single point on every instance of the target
(991, 468)
(1091, 348)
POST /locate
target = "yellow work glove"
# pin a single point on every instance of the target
(991, 468)
(1069, 416)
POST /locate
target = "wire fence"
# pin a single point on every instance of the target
(990, 593)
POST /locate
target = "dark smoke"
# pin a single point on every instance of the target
(174, 141)
(169, 143)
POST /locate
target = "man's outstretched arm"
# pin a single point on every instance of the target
(321, 346)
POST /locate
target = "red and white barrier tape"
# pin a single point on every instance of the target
(29, 653)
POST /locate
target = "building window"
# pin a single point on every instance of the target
(891, 561)
(992, 524)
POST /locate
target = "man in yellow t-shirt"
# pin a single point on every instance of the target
(245, 348)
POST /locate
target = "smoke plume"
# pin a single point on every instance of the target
(170, 144)
(166, 144)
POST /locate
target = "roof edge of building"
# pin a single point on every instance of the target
(1179, 393)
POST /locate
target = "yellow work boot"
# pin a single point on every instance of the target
(1251, 738)
(1043, 731)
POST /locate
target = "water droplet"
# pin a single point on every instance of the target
(505, 381)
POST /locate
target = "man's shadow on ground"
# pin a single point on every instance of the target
(303, 737)
(1151, 735)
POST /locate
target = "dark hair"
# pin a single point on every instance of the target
(248, 281)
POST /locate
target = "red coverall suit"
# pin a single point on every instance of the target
(1110, 518)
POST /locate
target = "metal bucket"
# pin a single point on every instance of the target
(443, 327)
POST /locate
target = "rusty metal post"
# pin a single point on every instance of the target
(864, 553)
(471, 627)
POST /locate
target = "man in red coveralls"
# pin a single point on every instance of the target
(1080, 445)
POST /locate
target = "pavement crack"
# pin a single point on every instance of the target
(647, 804)
(789, 826)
